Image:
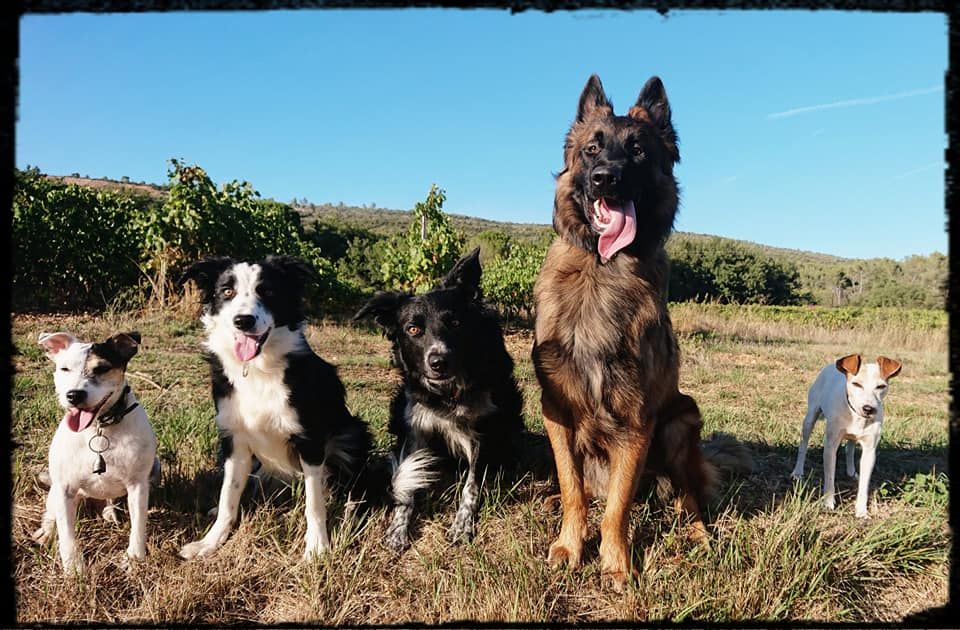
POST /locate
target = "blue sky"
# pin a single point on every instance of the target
(821, 131)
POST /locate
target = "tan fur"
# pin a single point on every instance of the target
(605, 352)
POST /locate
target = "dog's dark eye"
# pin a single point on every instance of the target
(414, 331)
(455, 323)
(64, 369)
(265, 292)
(881, 386)
(638, 151)
(101, 369)
(858, 385)
(228, 292)
(592, 149)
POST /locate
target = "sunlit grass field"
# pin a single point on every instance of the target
(774, 554)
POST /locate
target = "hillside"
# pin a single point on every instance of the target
(388, 221)
(823, 278)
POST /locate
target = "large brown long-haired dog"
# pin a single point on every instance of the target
(605, 352)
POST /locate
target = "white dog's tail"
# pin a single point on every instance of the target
(413, 472)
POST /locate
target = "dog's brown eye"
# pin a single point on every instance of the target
(455, 323)
(881, 386)
(413, 331)
(228, 292)
(592, 149)
(858, 385)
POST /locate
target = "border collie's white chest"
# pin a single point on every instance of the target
(258, 411)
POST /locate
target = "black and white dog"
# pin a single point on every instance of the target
(458, 397)
(275, 398)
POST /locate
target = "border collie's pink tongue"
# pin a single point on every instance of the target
(78, 419)
(621, 228)
(245, 347)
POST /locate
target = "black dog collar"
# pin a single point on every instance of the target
(117, 411)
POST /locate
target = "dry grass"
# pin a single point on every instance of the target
(774, 556)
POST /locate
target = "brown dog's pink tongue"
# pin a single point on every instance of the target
(77, 419)
(621, 230)
(244, 347)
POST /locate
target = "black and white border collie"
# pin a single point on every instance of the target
(458, 397)
(275, 398)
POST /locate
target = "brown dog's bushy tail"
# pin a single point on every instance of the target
(724, 457)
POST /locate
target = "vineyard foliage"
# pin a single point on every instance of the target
(76, 246)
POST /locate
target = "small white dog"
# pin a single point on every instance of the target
(850, 396)
(104, 447)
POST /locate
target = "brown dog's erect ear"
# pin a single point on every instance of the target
(55, 342)
(652, 106)
(593, 100)
(124, 344)
(888, 367)
(849, 364)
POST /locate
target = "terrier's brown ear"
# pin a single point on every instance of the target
(124, 344)
(849, 364)
(888, 367)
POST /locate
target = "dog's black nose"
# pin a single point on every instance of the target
(244, 322)
(605, 177)
(76, 396)
(437, 362)
(869, 410)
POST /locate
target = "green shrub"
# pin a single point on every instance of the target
(73, 246)
(417, 259)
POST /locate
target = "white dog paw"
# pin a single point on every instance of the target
(75, 566)
(864, 514)
(40, 536)
(315, 553)
(796, 476)
(828, 504)
(197, 549)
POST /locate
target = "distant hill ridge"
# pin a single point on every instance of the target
(387, 221)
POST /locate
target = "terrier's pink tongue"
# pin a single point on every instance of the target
(77, 419)
(621, 230)
(244, 347)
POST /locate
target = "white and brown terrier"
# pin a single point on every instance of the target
(104, 447)
(849, 395)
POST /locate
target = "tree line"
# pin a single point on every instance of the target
(76, 247)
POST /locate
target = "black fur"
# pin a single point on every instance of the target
(452, 324)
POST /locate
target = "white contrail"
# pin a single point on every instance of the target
(870, 100)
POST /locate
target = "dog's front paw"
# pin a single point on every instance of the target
(862, 512)
(315, 552)
(397, 539)
(796, 476)
(617, 580)
(197, 549)
(74, 565)
(41, 536)
(462, 530)
(829, 504)
(136, 553)
(560, 553)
